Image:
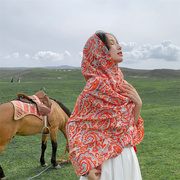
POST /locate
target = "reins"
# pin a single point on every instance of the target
(61, 161)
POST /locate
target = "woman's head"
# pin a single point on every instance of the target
(112, 45)
(98, 61)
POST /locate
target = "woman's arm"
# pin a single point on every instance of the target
(131, 92)
(137, 111)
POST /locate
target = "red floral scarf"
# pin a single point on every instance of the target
(102, 122)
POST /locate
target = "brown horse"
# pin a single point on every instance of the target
(30, 125)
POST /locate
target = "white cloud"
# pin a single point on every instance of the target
(128, 47)
(15, 55)
(166, 43)
(7, 57)
(166, 50)
(144, 22)
(26, 56)
(67, 53)
(49, 56)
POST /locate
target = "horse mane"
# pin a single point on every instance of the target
(65, 109)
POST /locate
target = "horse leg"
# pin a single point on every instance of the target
(43, 148)
(2, 175)
(53, 136)
(3, 143)
(65, 135)
(53, 158)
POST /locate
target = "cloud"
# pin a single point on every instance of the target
(166, 43)
(41, 58)
(15, 55)
(29, 28)
(7, 57)
(129, 46)
(26, 56)
(49, 56)
(166, 50)
(133, 54)
(67, 53)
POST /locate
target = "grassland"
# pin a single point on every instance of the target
(158, 153)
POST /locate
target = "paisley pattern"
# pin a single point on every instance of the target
(102, 122)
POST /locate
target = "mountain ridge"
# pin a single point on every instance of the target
(128, 72)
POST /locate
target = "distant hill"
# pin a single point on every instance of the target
(45, 71)
(45, 67)
(156, 73)
(62, 67)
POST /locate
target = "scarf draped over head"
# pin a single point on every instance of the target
(102, 122)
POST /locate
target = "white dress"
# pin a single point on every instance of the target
(123, 167)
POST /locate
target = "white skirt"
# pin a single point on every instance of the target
(123, 167)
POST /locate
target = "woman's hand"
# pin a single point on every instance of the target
(94, 174)
(130, 91)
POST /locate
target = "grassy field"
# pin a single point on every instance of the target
(158, 153)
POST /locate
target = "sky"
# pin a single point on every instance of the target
(39, 33)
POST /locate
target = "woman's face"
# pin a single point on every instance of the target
(114, 49)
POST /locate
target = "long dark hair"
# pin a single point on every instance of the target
(102, 37)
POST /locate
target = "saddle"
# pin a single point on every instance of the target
(40, 99)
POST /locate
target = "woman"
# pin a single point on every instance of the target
(106, 122)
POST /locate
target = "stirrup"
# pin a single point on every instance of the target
(45, 127)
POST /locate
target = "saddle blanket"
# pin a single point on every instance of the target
(22, 109)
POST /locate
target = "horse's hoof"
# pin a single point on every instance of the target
(2, 178)
(57, 167)
(44, 165)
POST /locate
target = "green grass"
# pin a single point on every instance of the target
(158, 153)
